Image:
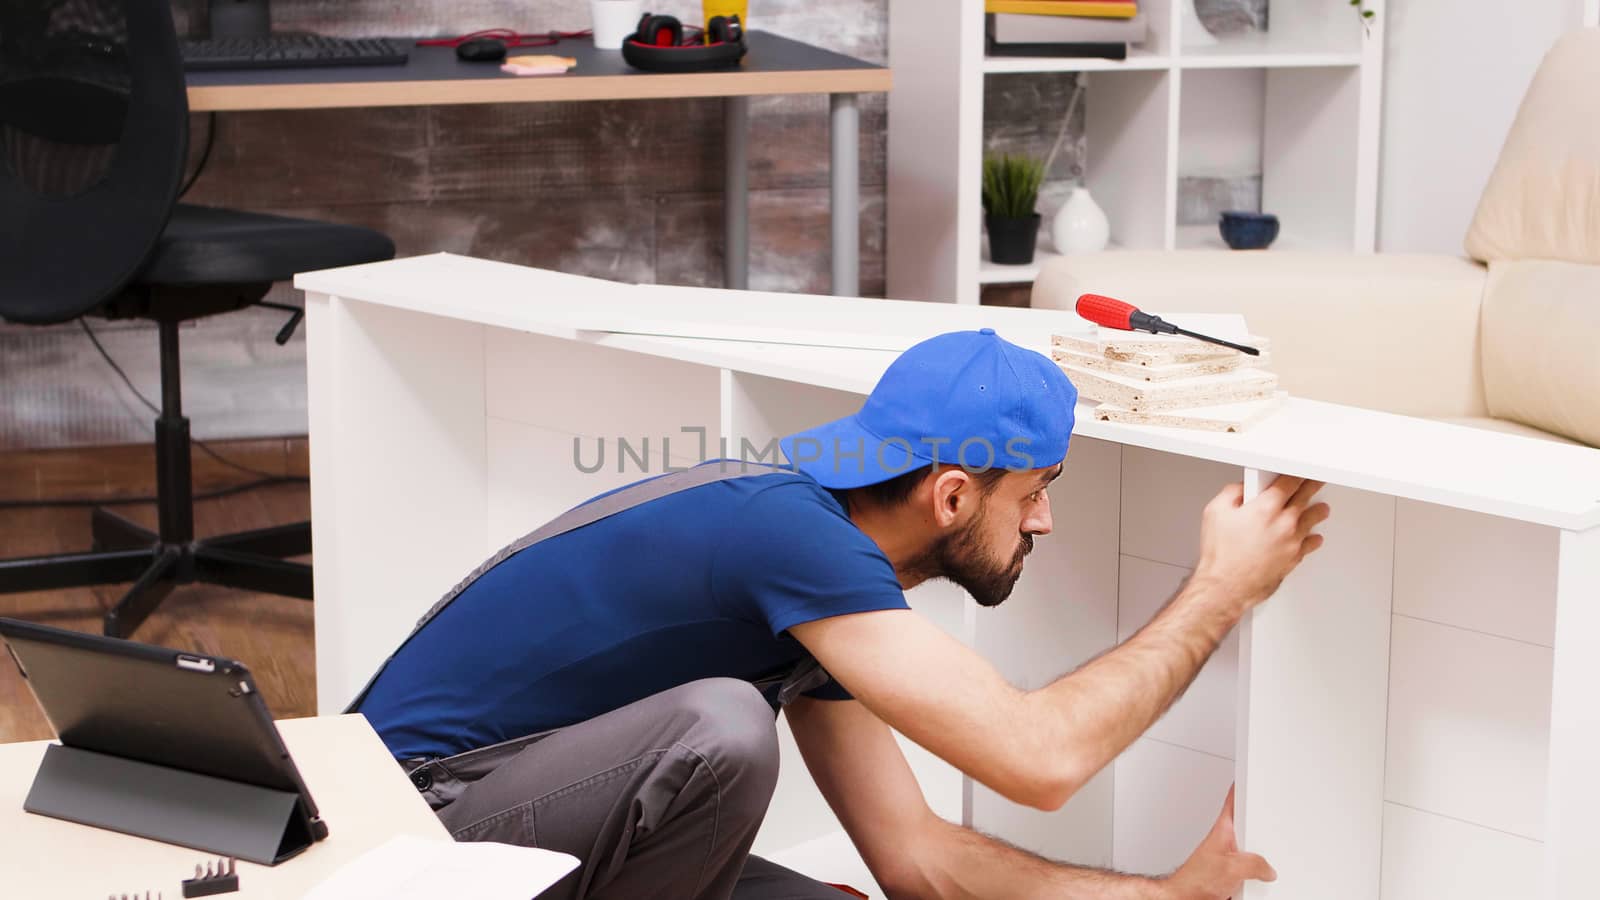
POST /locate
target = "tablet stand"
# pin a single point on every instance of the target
(207, 813)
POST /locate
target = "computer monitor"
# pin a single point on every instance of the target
(240, 18)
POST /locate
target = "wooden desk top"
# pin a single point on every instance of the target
(361, 793)
(434, 76)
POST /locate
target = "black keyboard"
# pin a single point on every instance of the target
(285, 51)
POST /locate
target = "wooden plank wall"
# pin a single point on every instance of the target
(627, 190)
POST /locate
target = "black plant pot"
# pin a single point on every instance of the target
(1011, 241)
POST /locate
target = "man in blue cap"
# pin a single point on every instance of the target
(606, 685)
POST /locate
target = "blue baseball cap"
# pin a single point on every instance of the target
(968, 398)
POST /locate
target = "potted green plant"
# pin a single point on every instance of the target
(1010, 190)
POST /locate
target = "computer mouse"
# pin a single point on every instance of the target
(481, 50)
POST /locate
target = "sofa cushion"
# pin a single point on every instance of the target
(1543, 197)
(1541, 346)
(1390, 332)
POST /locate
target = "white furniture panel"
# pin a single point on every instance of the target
(410, 439)
(1505, 586)
(947, 606)
(1430, 857)
(1204, 717)
(600, 393)
(1469, 718)
(757, 411)
(1062, 613)
(1313, 683)
(535, 479)
(1572, 826)
(1064, 608)
(1167, 800)
(1162, 497)
(1078, 833)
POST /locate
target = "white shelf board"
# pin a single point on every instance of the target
(995, 273)
(845, 343)
(1208, 237)
(1136, 61)
(1264, 50)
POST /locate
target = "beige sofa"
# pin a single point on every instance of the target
(1507, 339)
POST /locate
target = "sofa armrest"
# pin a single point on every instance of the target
(1392, 332)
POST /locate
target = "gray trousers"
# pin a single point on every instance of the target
(659, 799)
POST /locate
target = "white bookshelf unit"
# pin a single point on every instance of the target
(1302, 98)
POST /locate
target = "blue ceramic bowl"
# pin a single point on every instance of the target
(1249, 230)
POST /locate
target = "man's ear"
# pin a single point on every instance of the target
(953, 491)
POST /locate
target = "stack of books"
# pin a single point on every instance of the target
(1159, 379)
(1102, 28)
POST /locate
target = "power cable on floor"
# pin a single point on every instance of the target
(263, 478)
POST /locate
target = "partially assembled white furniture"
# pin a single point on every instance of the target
(1365, 712)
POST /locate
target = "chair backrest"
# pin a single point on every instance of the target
(94, 132)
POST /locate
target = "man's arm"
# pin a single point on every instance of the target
(915, 854)
(1038, 748)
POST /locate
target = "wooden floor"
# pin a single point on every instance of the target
(271, 635)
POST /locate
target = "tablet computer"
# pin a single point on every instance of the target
(162, 743)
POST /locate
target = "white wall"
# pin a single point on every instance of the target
(1454, 73)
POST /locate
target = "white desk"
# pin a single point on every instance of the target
(361, 793)
(1410, 718)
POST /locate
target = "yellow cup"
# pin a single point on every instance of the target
(714, 8)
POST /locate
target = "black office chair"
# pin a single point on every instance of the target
(93, 143)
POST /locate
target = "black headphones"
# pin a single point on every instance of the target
(658, 45)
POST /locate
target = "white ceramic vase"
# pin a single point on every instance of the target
(1080, 225)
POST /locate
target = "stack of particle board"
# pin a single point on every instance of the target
(1159, 379)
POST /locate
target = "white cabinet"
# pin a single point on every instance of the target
(1302, 97)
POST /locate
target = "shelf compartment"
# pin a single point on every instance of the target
(1136, 61)
(1266, 50)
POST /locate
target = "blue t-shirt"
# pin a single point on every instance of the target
(698, 584)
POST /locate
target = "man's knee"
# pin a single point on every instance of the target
(734, 729)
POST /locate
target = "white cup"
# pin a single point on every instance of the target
(614, 21)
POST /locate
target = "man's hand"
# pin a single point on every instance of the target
(1247, 549)
(1217, 870)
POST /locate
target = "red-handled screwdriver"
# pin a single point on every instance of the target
(1116, 314)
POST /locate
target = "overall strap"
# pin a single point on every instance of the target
(636, 494)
